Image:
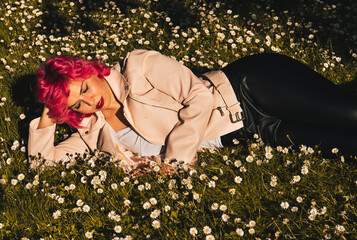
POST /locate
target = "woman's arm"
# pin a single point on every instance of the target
(41, 140)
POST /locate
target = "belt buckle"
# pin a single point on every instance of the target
(237, 118)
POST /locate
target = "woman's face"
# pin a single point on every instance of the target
(89, 96)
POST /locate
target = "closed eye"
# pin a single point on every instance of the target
(78, 106)
(85, 90)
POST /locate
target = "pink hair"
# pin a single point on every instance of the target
(52, 85)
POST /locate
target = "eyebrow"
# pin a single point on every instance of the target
(80, 91)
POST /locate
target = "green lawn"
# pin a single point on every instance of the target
(246, 192)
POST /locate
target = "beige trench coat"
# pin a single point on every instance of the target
(163, 101)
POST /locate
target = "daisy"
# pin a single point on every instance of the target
(284, 205)
(299, 199)
(210, 237)
(84, 179)
(21, 177)
(310, 150)
(203, 176)
(196, 196)
(175, 196)
(238, 163)
(294, 209)
(252, 223)
(268, 155)
(312, 217)
(111, 215)
(193, 231)
(214, 206)
(296, 179)
(211, 184)
(225, 217)
(153, 201)
(251, 231)
(156, 224)
(14, 181)
(223, 207)
(167, 208)
(240, 232)
(238, 179)
(249, 158)
(335, 150)
(86, 208)
(340, 228)
(89, 235)
(79, 203)
(146, 205)
(323, 210)
(114, 186)
(304, 170)
(117, 229)
(154, 214)
(57, 214)
(207, 230)
(127, 202)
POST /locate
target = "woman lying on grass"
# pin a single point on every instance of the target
(152, 105)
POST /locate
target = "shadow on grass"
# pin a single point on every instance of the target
(57, 23)
(23, 95)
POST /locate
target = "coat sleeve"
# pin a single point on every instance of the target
(42, 141)
(177, 81)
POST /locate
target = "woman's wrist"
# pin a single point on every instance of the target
(45, 120)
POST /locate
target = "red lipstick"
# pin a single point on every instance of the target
(100, 103)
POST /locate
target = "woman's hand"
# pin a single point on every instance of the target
(45, 120)
(168, 169)
(143, 166)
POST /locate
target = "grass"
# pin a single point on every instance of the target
(262, 192)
